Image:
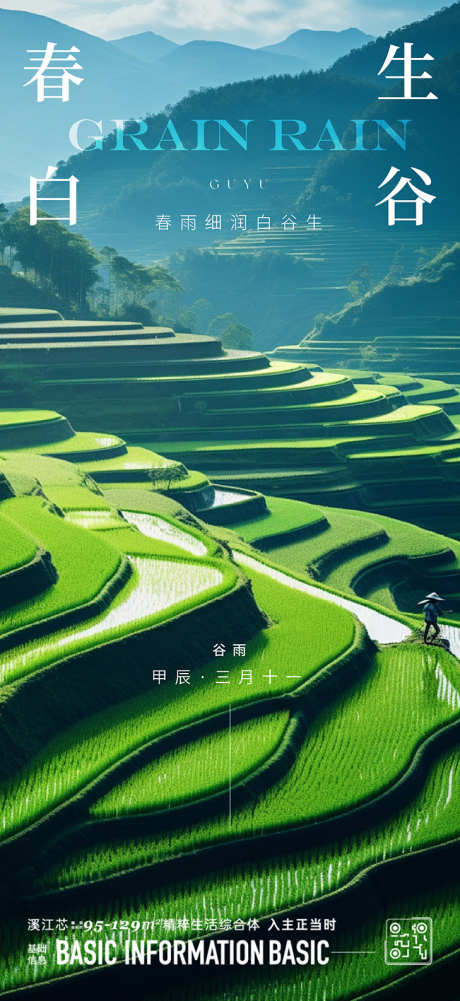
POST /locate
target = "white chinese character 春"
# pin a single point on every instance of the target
(52, 76)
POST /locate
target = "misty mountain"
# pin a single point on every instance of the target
(146, 46)
(319, 49)
(438, 34)
(431, 298)
(213, 64)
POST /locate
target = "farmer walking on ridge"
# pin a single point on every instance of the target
(431, 611)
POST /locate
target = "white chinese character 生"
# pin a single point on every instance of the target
(407, 76)
(314, 221)
(418, 201)
(72, 182)
(52, 76)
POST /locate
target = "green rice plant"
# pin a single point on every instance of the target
(12, 416)
(81, 441)
(167, 531)
(18, 467)
(197, 769)
(354, 750)
(77, 756)
(134, 458)
(408, 412)
(127, 539)
(150, 595)
(84, 563)
(283, 516)
(399, 541)
(71, 498)
(17, 547)
(208, 902)
(95, 520)
(274, 883)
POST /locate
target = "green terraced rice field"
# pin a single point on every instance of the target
(72, 760)
(275, 883)
(346, 759)
(196, 770)
(83, 568)
(17, 546)
(326, 725)
(153, 588)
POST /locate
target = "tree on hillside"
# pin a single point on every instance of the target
(360, 281)
(231, 332)
(3, 234)
(53, 257)
(161, 477)
(129, 285)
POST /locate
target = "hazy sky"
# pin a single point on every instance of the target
(246, 22)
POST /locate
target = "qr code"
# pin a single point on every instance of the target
(409, 942)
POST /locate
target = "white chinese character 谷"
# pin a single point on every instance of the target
(418, 201)
(72, 181)
(53, 76)
(407, 75)
(289, 222)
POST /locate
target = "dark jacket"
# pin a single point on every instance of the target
(431, 612)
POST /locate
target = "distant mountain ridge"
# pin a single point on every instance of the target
(146, 45)
(320, 49)
(314, 49)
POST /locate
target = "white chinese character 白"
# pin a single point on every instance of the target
(72, 182)
(263, 222)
